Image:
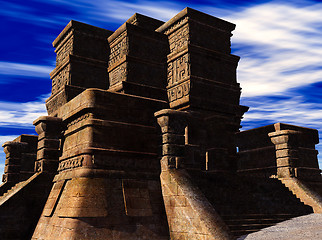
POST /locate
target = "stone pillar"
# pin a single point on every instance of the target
(286, 153)
(173, 124)
(14, 151)
(201, 77)
(49, 130)
(295, 151)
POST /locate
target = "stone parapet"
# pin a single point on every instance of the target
(119, 135)
(256, 153)
(280, 149)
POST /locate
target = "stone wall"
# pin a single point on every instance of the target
(281, 150)
(94, 170)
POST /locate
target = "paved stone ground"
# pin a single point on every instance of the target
(307, 227)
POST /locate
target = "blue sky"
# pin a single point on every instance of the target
(279, 42)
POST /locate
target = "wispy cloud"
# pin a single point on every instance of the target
(21, 115)
(118, 10)
(24, 70)
(280, 46)
(6, 138)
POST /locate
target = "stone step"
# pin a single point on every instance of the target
(254, 221)
(258, 216)
(253, 226)
(248, 223)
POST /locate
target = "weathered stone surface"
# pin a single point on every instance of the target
(137, 58)
(94, 168)
(81, 62)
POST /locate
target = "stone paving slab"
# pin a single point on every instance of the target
(307, 227)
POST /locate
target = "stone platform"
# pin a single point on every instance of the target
(301, 228)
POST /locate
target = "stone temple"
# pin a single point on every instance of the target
(141, 140)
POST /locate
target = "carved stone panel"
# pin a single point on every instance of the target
(179, 39)
(62, 78)
(118, 74)
(118, 49)
(178, 69)
(179, 91)
(64, 51)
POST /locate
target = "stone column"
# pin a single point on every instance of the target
(286, 152)
(49, 130)
(13, 151)
(173, 124)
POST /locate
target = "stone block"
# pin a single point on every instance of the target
(82, 40)
(292, 153)
(137, 56)
(172, 150)
(80, 72)
(48, 153)
(187, 24)
(49, 143)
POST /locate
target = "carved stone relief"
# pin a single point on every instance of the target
(118, 50)
(178, 70)
(61, 79)
(118, 74)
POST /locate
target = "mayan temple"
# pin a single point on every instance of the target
(141, 141)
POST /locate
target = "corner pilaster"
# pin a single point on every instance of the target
(49, 130)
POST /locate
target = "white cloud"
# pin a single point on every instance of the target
(280, 47)
(21, 115)
(6, 138)
(25, 70)
(293, 110)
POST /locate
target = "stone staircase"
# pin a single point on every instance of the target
(248, 204)
(245, 224)
(11, 191)
(308, 193)
(21, 206)
(16, 188)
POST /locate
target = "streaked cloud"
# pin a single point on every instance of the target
(280, 46)
(24, 70)
(6, 138)
(21, 115)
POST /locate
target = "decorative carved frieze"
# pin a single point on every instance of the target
(60, 79)
(177, 25)
(118, 50)
(71, 163)
(179, 91)
(64, 51)
(77, 120)
(179, 39)
(178, 69)
(118, 74)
